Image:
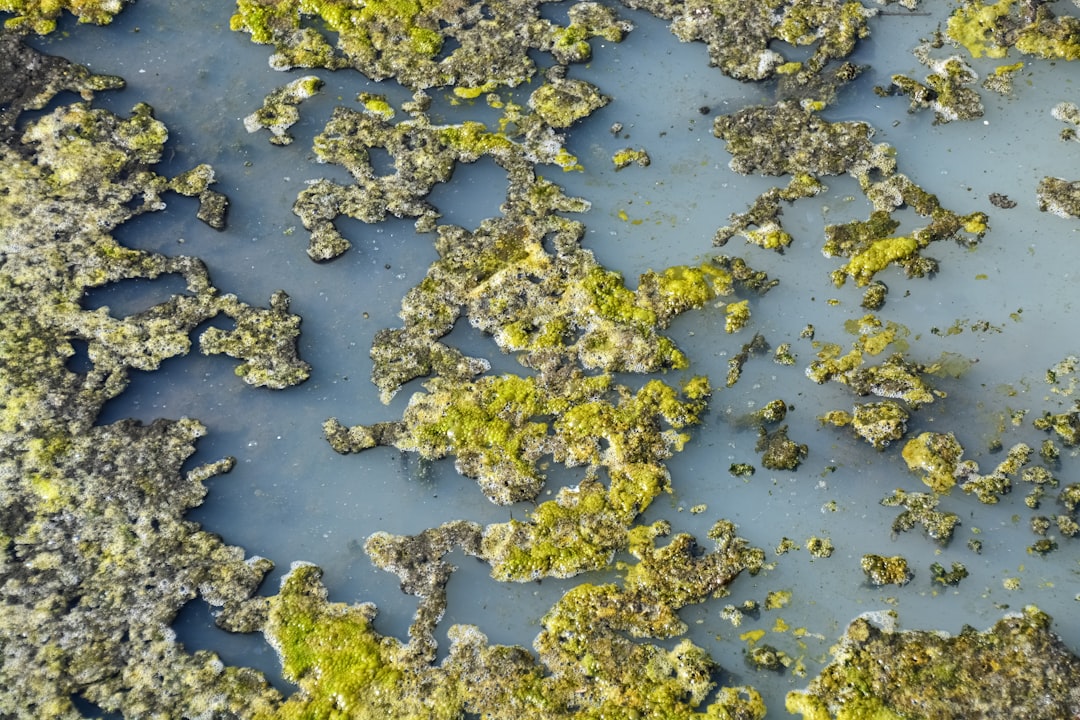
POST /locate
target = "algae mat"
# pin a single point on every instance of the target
(693, 332)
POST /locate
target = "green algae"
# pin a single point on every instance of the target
(947, 89)
(279, 112)
(882, 570)
(598, 670)
(938, 454)
(345, 668)
(879, 423)
(741, 38)
(993, 29)
(1059, 196)
(765, 212)
(405, 39)
(39, 16)
(97, 556)
(778, 451)
(1017, 667)
(921, 509)
(626, 157)
(801, 143)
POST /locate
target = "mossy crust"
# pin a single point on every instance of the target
(39, 16)
(405, 39)
(95, 554)
(790, 138)
(1017, 668)
(589, 658)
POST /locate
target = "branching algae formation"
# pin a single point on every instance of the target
(96, 557)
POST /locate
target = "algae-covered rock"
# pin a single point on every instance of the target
(1059, 196)
(741, 38)
(778, 452)
(1017, 668)
(1032, 28)
(790, 138)
(279, 109)
(475, 47)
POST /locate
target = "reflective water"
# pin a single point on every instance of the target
(291, 498)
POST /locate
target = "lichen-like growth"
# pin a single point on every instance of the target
(1059, 196)
(938, 455)
(921, 509)
(878, 423)
(405, 39)
(801, 143)
(95, 552)
(778, 452)
(1017, 668)
(739, 35)
(989, 488)
(629, 156)
(881, 570)
(279, 113)
(40, 16)
(765, 213)
(947, 90)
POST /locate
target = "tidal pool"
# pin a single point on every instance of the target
(985, 334)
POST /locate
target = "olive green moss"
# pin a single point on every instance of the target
(1017, 668)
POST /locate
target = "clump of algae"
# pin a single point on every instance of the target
(804, 145)
(39, 16)
(1016, 668)
(588, 656)
(96, 556)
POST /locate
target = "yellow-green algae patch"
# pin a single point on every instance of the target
(40, 16)
(589, 658)
(405, 39)
(800, 143)
(1017, 668)
(491, 427)
(279, 112)
(992, 29)
(96, 555)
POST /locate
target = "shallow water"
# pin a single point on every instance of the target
(292, 498)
